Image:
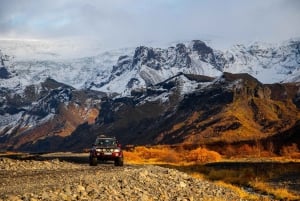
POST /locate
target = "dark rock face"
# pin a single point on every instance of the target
(149, 63)
(142, 55)
(41, 112)
(156, 58)
(148, 56)
(124, 63)
(205, 116)
(4, 74)
(217, 111)
(201, 48)
(131, 83)
(182, 57)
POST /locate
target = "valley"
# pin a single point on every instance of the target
(199, 99)
(60, 180)
(67, 176)
(185, 94)
(188, 107)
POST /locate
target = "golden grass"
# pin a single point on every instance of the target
(194, 163)
(278, 193)
(238, 190)
(250, 177)
(234, 179)
(242, 193)
(165, 154)
(290, 151)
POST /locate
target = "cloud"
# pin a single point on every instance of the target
(124, 22)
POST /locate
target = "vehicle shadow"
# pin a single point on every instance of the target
(69, 157)
(78, 158)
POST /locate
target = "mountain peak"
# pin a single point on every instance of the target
(200, 47)
(188, 93)
(143, 55)
(120, 71)
(4, 74)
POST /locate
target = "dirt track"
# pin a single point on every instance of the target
(49, 178)
(65, 176)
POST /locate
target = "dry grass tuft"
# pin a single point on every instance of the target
(278, 193)
(202, 155)
(242, 193)
(290, 151)
(168, 155)
(253, 173)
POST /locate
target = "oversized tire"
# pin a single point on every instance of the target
(119, 161)
(93, 161)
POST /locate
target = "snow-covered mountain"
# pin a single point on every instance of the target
(269, 63)
(189, 109)
(46, 101)
(43, 62)
(149, 66)
(120, 71)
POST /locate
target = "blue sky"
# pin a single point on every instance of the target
(134, 22)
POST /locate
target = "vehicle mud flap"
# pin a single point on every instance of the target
(119, 161)
(93, 161)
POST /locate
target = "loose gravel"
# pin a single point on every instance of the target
(51, 180)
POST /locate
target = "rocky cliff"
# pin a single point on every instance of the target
(195, 110)
(181, 94)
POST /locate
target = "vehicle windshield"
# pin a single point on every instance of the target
(107, 142)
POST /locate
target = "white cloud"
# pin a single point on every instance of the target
(126, 22)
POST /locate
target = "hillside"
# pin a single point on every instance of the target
(182, 94)
(45, 110)
(233, 108)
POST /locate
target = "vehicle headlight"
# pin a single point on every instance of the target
(116, 150)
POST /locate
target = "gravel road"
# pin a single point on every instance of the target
(53, 179)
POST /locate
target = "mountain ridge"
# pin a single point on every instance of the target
(182, 94)
(231, 109)
(121, 70)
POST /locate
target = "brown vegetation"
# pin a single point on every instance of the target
(257, 168)
(291, 151)
(166, 154)
(277, 179)
(252, 112)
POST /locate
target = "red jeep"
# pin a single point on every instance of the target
(106, 149)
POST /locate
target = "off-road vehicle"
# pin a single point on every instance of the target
(106, 149)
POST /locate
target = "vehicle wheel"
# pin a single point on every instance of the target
(119, 161)
(93, 161)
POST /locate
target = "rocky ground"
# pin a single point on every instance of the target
(53, 179)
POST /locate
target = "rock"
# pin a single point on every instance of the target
(55, 180)
(80, 189)
(13, 198)
(182, 184)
